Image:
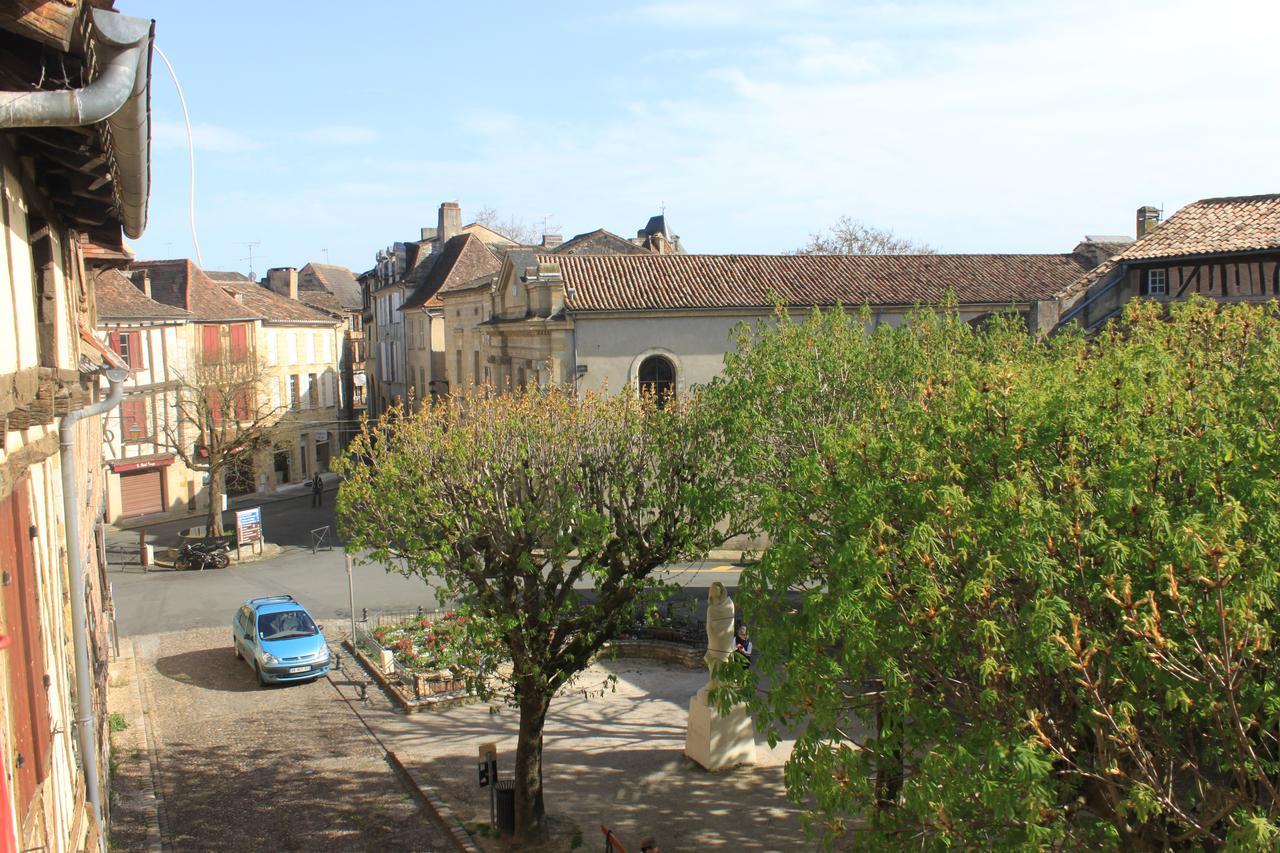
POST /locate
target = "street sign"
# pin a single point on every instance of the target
(488, 766)
(248, 525)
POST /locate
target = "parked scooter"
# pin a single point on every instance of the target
(204, 554)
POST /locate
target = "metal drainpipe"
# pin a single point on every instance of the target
(79, 616)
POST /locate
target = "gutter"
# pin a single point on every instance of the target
(84, 723)
(120, 96)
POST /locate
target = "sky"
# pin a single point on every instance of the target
(326, 131)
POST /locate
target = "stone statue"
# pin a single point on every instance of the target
(714, 740)
(719, 628)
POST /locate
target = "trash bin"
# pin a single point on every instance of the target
(505, 792)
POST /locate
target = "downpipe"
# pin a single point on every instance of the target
(79, 613)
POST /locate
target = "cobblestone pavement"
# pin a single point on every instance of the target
(282, 768)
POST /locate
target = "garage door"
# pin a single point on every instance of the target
(141, 493)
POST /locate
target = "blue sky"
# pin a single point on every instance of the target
(975, 127)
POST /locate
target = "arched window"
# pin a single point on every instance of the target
(658, 377)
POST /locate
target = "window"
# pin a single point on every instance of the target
(239, 342)
(658, 377)
(128, 345)
(475, 366)
(1157, 282)
(214, 399)
(210, 337)
(294, 394)
(313, 391)
(241, 402)
(457, 368)
(133, 420)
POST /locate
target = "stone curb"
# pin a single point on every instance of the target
(406, 706)
(152, 810)
(153, 759)
(444, 814)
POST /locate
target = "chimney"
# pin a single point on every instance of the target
(1148, 219)
(427, 234)
(450, 222)
(551, 241)
(142, 281)
(284, 281)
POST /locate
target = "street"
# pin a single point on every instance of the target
(162, 600)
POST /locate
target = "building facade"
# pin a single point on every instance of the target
(67, 178)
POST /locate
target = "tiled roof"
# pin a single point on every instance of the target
(274, 308)
(119, 299)
(463, 259)
(227, 275)
(1213, 226)
(638, 282)
(334, 279)
(598, 242)
(182, 284)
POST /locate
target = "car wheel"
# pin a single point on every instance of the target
(262, 682)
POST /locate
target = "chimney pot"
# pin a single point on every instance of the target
(450, 224)
(1148, 219)
(141, 280)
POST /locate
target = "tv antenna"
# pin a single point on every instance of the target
(251, 244)
(326, 255)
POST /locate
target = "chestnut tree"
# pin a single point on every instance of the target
(518, 503)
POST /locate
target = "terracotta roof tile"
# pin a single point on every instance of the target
(119, 298)
(463, 258)
(336, 280)
(639, 282)
(182, 284)
(272, 307)
(598, 242)
(1213, 226)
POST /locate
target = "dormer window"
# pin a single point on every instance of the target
(1157, 283)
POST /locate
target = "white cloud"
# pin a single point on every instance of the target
(206, 137)
(340, 135)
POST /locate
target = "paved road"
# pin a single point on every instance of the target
(165, 600)
(246, 768)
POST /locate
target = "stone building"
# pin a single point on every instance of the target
(74, 171)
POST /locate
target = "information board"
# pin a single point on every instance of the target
(248, 525)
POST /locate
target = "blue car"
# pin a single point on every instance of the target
(278, 638)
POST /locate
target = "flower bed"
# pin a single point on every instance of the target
(429, 652)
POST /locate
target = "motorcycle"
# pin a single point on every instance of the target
(206, 554)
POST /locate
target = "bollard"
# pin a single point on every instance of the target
(144, 558)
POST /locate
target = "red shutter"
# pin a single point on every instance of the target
(114, 340)
(239, 342)
(242, 404)
(209, 338)
(135, 349)
(133, 420)
(214, 396)
(29, 702)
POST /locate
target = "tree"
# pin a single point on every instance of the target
(513, 502)
(513, 228)
(224, 416)
(1026, 587)
(851, 237)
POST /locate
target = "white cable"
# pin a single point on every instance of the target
(191, 155)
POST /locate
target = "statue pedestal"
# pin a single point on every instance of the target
(716, 742)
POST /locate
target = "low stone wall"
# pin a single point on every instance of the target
(411, 698)
(677, 654)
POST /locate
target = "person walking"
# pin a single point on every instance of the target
(317, 491)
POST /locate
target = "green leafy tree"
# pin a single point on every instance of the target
(1029, 586)
(518, 503)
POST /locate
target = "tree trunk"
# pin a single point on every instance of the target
(214, 521)
(531, 815)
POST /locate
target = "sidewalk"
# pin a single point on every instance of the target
(284, 493)
(612, 757)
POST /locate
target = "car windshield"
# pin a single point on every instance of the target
(285, 624)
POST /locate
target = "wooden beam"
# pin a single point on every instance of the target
(50, 22)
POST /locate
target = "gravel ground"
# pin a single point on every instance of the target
(281, 768)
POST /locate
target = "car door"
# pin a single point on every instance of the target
(244, 623)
